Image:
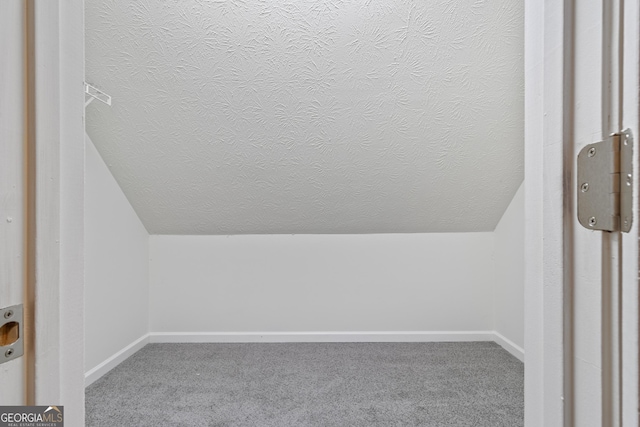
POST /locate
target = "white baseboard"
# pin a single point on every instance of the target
(292, 337)
(284, 337)
(94, 374)
(509, 345)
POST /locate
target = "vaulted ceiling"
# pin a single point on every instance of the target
(310, 116)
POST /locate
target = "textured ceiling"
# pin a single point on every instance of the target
(310, 116)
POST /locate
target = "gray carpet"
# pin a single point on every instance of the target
(282, 385)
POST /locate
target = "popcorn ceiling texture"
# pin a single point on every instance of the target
(310, 116)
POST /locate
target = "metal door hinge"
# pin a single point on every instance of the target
(605, 183)
(11, 333)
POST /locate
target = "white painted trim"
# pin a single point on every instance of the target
(509, 345)
(55, 72)
(283, 337)
(547, 278)
(630, 251)
(13, 189)
(44, 163)
(94, 374)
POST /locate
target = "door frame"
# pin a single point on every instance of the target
(546, 208)
(13, 226)
(630, 307)
(59, 195)
(549, 219)
(60, 101)
(55, 62)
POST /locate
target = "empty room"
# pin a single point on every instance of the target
(304, 213)
(319, 213)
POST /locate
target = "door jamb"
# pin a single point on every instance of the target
(55, 30)
(548, 202)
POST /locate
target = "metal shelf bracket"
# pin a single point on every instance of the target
(95, 93)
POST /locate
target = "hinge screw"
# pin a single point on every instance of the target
(8, 353)
(8, 314)
(585, 187)
(592, 221)
(592, 151)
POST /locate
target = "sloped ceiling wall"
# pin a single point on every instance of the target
(310, 116)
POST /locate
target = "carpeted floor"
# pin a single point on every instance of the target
(326, 385)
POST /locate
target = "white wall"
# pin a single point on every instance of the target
(508, 301)
(382, 282)
(116, 266)
(136, 283)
